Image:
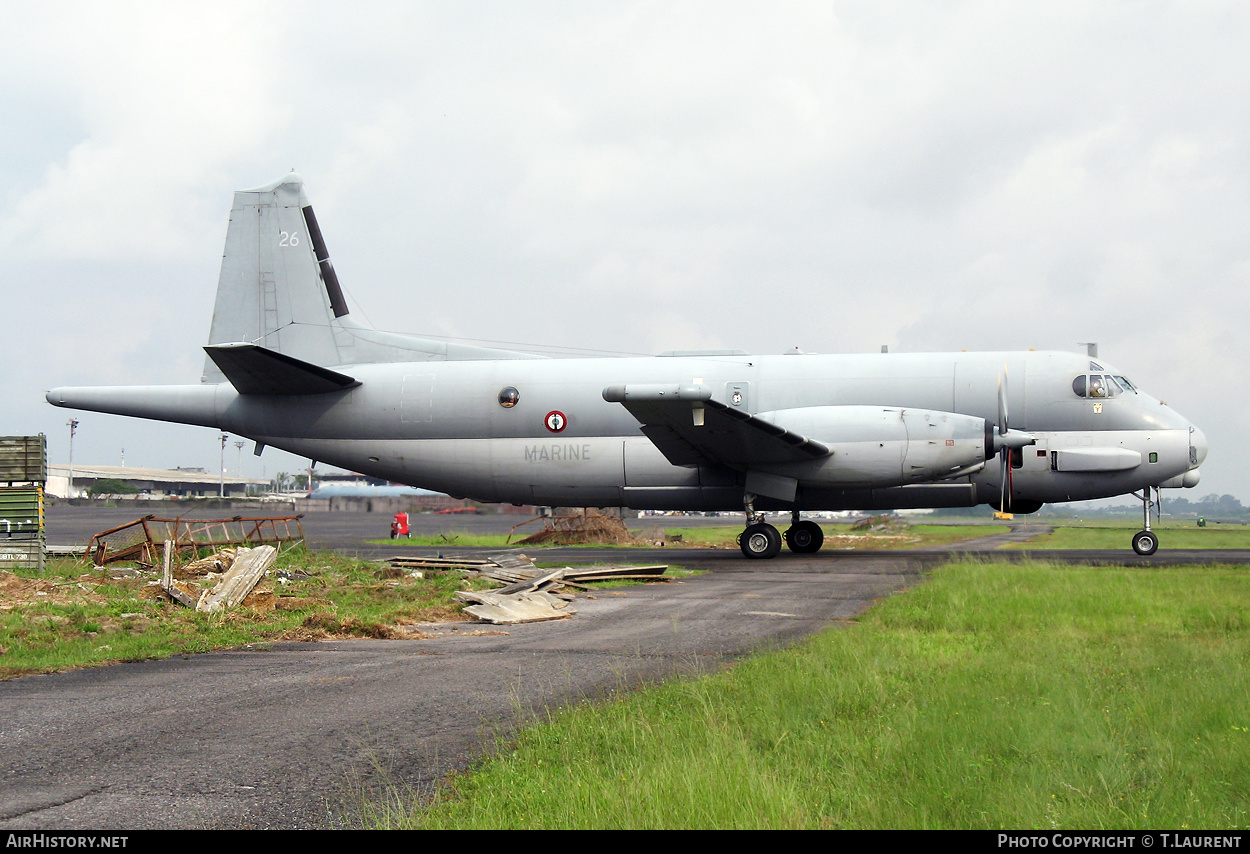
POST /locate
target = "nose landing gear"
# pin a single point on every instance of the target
(1145, 542)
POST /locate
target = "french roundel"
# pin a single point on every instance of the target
(555, 421)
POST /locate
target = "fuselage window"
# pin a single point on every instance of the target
(508, 397)
(1078, 386)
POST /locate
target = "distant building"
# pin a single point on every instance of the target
(364, 490)
(151, 483)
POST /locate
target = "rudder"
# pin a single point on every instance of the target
(277, 287)
(278, 290)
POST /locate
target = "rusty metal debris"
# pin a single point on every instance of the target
(141, 540)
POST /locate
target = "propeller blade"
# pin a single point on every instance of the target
(1004, 471)
(1005, 441)
(1002, 401)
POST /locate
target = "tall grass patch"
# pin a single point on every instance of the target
(1172, 535)
(1030, 695)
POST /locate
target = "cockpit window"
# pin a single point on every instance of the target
(1100, 386)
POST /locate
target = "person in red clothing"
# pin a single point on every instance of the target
(399, 528)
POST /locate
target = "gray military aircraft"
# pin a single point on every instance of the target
(288, 366)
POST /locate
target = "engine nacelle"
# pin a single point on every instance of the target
(883, 446)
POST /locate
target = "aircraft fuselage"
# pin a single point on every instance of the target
(441, 425)
(288, 366)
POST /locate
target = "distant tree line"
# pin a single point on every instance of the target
(1174, 506)
(111, 486)
(1213, 507)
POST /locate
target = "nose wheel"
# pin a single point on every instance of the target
(1145, 541)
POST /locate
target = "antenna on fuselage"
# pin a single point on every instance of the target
(1091, 348)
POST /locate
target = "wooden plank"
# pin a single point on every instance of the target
(167, 578)
(519, 608)
(526, 584)
(596, 573)
(248, 568)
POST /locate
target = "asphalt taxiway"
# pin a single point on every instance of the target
(288, 736)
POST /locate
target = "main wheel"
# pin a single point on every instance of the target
(760, 541)
(804, 537)
(1145, 542)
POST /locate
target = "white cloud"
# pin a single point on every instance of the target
(829, 175)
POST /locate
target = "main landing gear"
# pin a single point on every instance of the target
(761, 540)
(1145, 542)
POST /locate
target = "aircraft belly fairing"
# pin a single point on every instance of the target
(288, 366)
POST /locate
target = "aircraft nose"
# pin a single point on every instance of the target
(1197, 446)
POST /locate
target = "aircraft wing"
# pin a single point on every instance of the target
(253, 369)
(691, 429)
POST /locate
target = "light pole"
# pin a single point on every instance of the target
(222, 490)
(73, 428)
(238, 443)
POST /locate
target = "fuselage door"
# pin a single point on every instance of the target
(416, 399)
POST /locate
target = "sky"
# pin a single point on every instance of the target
(632, 177)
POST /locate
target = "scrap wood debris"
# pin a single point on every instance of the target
(529, 594)
(884, 522)
(245, 569)
(580, 528)
(218, 562)
(527, 601)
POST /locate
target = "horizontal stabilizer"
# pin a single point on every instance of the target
(253, 369)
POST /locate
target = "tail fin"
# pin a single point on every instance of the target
(279, 290)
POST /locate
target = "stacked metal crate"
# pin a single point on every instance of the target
(23, 472)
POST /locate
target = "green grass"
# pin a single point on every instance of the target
(84, 619)
(1117, 535)
(1017, 696)
(450, 538)
(906, 536)
(912, 536)
(934, 535)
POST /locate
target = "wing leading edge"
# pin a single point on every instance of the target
(690, 428)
